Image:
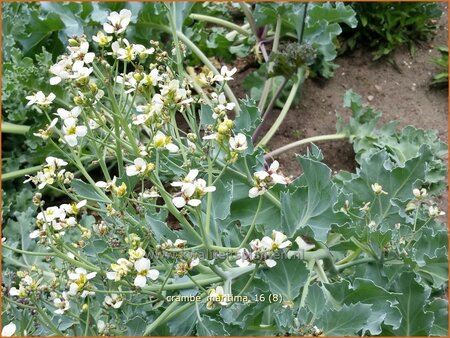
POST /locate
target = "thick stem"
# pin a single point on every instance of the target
(11, 128)
(20, 173)
(284, 111)
(269, 109)
(305, 141)
(268, 83)
(220, 22)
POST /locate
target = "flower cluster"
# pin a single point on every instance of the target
(136, 264)
(59, 219)
(265, 179)
(27, 285)
(75, 65)
(192, 190)
(79, 282)
(263, 250)
(51, 172)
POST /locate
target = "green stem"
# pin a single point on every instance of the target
(350, 257)
(11, 128)
(284, 111)
(252, 226)
(20, 173)
(168, 315)
(249, 281)
(269, 109)
(305, 141)
(307, 283)
(268, 83)
(161, 319)
(220, 22)
(47, 320)
(355, 262)
(321, 273)
(86, 328)
(30, 253)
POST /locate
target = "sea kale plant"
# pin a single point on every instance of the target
(170, 221)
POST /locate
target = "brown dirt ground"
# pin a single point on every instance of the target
(402, 93)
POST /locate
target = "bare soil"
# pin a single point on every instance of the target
(402, 92)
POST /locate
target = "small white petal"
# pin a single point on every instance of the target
(9, 330)
(179, 202)
(153, 274)
(140, 281)
(194, 202)
(270, 263)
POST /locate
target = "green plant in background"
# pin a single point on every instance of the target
(171, 221)
(384, 26)
(441, 78)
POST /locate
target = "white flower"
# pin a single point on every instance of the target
(172, 91)
(65, 114)
(245, 257)
(61, 70)
(302, 245)
(50, 214)
(45, 133)
(72, 131)
(277, 241)
(420, 194)
(101, 326)
(80, 277)
(189, 179)
(81, 55)
(256, 245)
(62, 304)
(9, 330)
(210, 137)
(435, 212)
(152, 193)
(142, 266)
(81, 73)
(142, 51)
(378, 189)
(120, 269)
(102, 39)
(136, 254)
(276, 178)
(163, 141)
(270, 263)
(187, 191)
(106, 185)
(118, 22)
(217, 295)
(73, 208)
(152, 78)
(139, 167)
(239, 142)
(55, 162)
(114, 301)
(255, 192)
(127, 53)
(201, 188)
(40, 99)
(266, 179)
(225, 74)
(221, 104)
